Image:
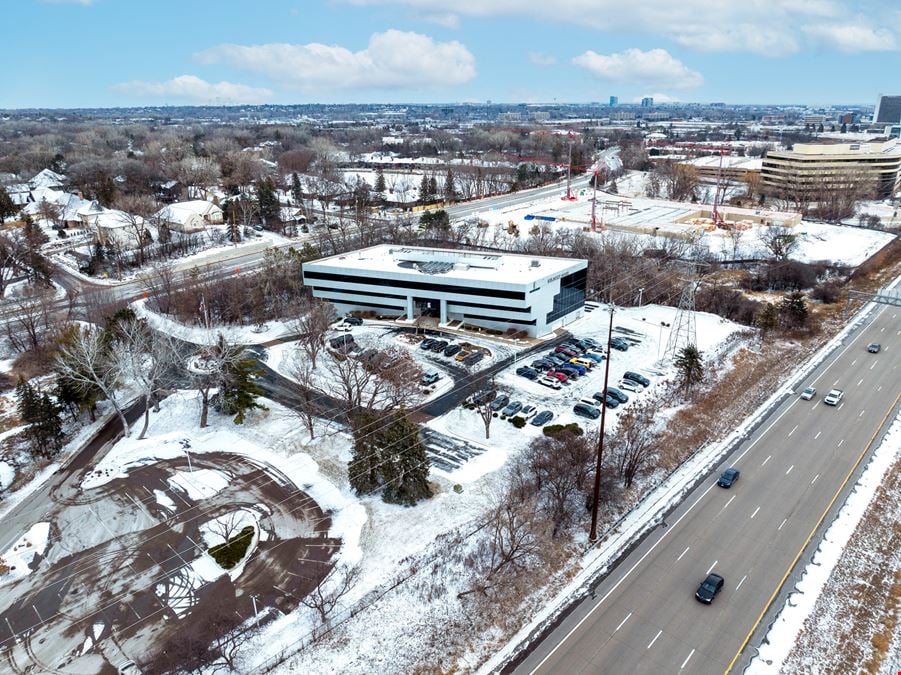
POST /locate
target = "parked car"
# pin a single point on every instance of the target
(541, 364)
(578, 367)
(629, 385)
(431, 377)
(499, 402)
(484, 396)
(619, 344)
(551, 382)
(597, 358)
(353, 321)
(542, 418)
(617, 394)
(608, 400)
(834, 397)
(874, 347)
(452, 350)
(528, 373)
(594, 344)
(585, 410)
(582, 361)
(579, 344)
(462, 356)
(808, 393)
(568, 351)
(473, 358)
(569, 371)
(527, 412)
(708, 589)
(511, 409)
(637, 377)
(427, 343)
(439, 346)
(343, 328)
(729, 477)
(560, 377)
(555, 359)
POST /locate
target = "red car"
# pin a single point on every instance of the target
(557, 376)
(563, 349)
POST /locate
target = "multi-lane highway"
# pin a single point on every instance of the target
(644, 618)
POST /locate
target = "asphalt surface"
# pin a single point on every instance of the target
(643, 617)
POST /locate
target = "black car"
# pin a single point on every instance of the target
(608, 400)
(556, 360)
(620, 344)
(581, 345)
(636, 377)
(708, 589)
(874, 347)
(617, 394)
(542, 418)
(427, 343)
(439, 346)
(528, 373)
(585, 410)
(541, 364)
(473, 358)
(729, 477)
(353, 321)
(452, 350)
(593, 344)
(499, 402)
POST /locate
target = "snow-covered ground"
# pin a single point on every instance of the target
(20, 556)
(783, 633)
(838, 244)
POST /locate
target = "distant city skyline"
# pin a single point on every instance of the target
(112, 53)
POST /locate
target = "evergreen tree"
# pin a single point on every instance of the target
(767, 319)
(41, 415)
(424, 195)
(380, 186)
(238, 390)
(522, 176)
(793, 310)
(436, 222)
(26, 401)
(296, 190)
(36, 266)
(409, 465)
(450, 190)
(690, 364)
(364, 467)
(433, 187)
(268, 202)
(7, 207)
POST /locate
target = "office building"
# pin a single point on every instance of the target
(614, 101)
(647, 102)
(888, 110)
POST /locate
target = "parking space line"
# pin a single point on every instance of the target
(651, 643)
(783, 523)
(683, 553)
(814, 479)
(712, 566)
(741, 582)
(755, 512)
(685, 662)
(623, 621)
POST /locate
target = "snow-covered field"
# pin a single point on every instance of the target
(838, 244)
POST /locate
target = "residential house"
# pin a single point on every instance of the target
(189, 217)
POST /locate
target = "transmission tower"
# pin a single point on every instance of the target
(684, 331)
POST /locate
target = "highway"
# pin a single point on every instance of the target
(643, 617)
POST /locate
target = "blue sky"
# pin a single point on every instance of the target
(93, 53)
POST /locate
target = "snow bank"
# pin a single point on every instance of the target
(199, 484)
(20, 556)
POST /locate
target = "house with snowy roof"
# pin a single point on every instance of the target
(192, 216)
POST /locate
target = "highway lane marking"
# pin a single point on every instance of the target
(814, 479)
(783, 523)
(813, 531)
(622, 579)
(818, 435)
(683, 553)
(860, 383)
(764, 433)
(729, 502)
(741, 582)
(874, 364)
(755, 512)
(685, 662)
(623, 621)
(651, 643)
(880, 386)
(853, 362)
(712, 566)
(790, 469)
(769, 457)
(834, 384)
(840, 442)
(861, 413)
(793, 430)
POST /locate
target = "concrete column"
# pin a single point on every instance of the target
(410, 316)
(443, 311)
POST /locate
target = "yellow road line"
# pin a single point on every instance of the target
(819, 522)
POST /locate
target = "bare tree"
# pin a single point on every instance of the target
(207, 370)
(29, 326)
(326, 597)
(307, 400)
(633, 444)
(483, 405)
(159, 284)
(780, 241)
(316, 318)
(135, 211)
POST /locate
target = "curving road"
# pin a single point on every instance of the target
(643, 617)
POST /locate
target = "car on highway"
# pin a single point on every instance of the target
(551, 382)
(585, 410)
(637, 377)
(500, 402)
(511, 409)
(808, 393)
(874, 347)
(617, 394)
(629, 385)
(834, 397)
(729, 477)
(708, 589)
(542, 418)
(452, 350)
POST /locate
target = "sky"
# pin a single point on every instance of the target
(112, 53)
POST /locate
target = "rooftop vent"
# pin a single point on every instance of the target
(535, 263)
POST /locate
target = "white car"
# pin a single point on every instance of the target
(343, 328)
(834, 397)
(808, 393)
(629, 385)
(551, 382)
(527, 412)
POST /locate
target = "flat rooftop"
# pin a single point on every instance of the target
(438, 263)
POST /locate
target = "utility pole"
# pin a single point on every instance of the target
(593, 533)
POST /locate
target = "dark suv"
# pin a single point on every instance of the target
(729, 477)
(708, 589)
(635, 377)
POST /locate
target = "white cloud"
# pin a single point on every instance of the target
(393, 59)
(192, 88)
(445, 19)
(655, 66)
(853, 37)
(766, 27)
(540, 59)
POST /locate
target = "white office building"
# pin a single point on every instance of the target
(491, 290)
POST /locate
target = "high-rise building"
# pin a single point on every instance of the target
(614, 101)
(888, 110)
(647, 102)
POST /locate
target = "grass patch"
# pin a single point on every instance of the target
(230, 553)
